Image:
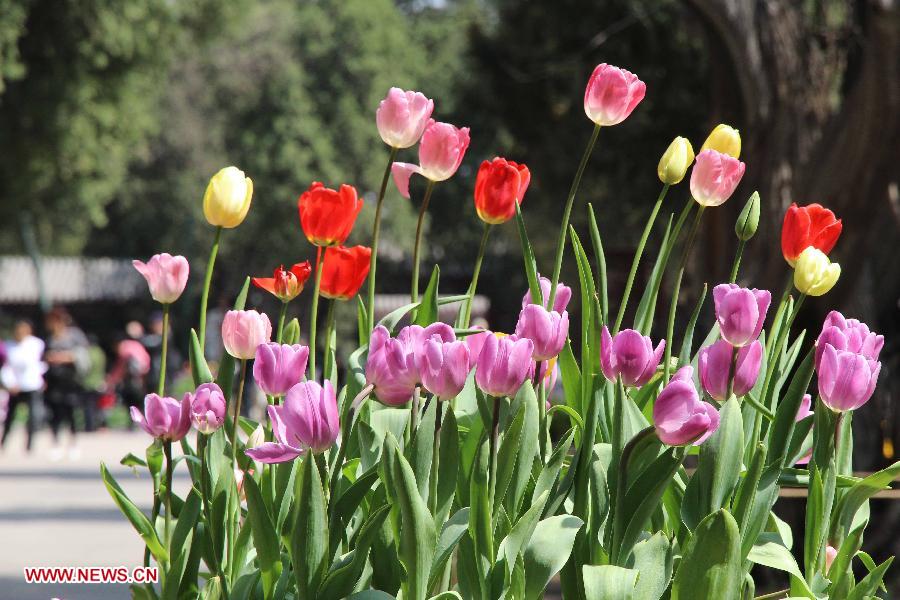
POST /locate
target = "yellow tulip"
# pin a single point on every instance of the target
(675, 161)
(814, 274)
(725, 139)
(227, 198)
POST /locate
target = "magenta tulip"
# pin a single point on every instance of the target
(740, 312)
(391, 365)
(443, 366)
(563, 295)
(630, 356)
(441, 151)
(503, 365)
(846, 379)
(164, 418)
(715, 177)
(805, 409)
(402, 117)
(679, 416)
(850, 335)
(279, 367)
(166, 276)
(243, 331)
(611, 94)
(714, 363)
(208, 408)
(547, 330)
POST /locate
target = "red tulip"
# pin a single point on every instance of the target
(328, 215)
(285, 285)
(805, 226)
(343, 271)
(499, 186)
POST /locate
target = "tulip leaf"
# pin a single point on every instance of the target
(590, 342)
(643, 316)
(547, 551)
(775, 556)
(454, 529)
(518, 537)
(420, 452)
(870, 583)
(291, 333)
(427, 313)
(600, 257)
(526, 454)
(745, 496)
(309, 540)
(371, 595)
(608, 582)
(448, 466)
(534, 286)
(130, 460)
(653, 559)
(549, 475)
(481, 529)
(841, 567)
(347, 503)
(134, 515)
(362, 322)
(510, 447)
(265, 538)
(684, 356)
(710, 566)
(343, 576)
(851, 502)
(199, 369)
(390, 320)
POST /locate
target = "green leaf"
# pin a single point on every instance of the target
(608, 582)
(512, 545)
(643, 317)
(711, 564)
(547, 551)
(507, 454)
(265, 539)
(362, 322)
(130, 460)
(451, 533)
(199, 369)
(309, 541)
(420, 451)
(600, 256)
(134, 515)
(537, 296)
(684, 357)
(371, 595)
(427, 313)
(746, 493)
(841, 567)
(871, 582)
(775, 556)
(653, 558)
(549, 475)
(786, 413)
(344, 575)
(850, 503)
(481, 529)
(526, 453)
(448, 466)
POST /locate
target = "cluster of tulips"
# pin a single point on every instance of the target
(428, 468)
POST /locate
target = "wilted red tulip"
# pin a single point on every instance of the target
(326, 215)
(343, 271)
(285, 285)
(805, 226)
(499, 186)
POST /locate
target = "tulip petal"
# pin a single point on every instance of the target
(273, 452)
(402, 173)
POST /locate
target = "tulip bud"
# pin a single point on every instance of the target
(814, 274)
(166, 276)
(243, 331)
(291, 333)
(748, 220)
(725, 139)
(227, 198)
(208, 408)
(675, 161)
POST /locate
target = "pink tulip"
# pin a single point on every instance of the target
(164, 418)
(830, 554)
(503, 365)
(475, 342)
(308, 420)
(679, 416)
(441, 151)
(443, 366)
(611, 94)
(740, 312)
(563, 295)
(846, 379)
(547, 330)
(391, 365)
(208, 408)
(549, 377)
(714, 363)
(243, 331)
(402, 117)
(714, 177)
(630, 356)
(850, 335)
(279, 367)
(166, 276)
(805, 409)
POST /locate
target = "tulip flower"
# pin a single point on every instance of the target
(402, 116)
(814, 274)
(503, 365)
(830, 554)
(724, 139)
(208, 408)
(630, 356)
(715, 177)
(166, 276)
(748, 220)
(547, 330)
(499, 186)
(343, 271)
(279, 367)
(307, 421)
(563, 295)
(227, 198)
(611, 94)
(243, 331)
(164, 418)
(740, 312)
(326, 215)
(285, 285)
(714, 363)
(675, 161)
(391, 366)
(805, 226)
(846, 379)
(679, 416)
(441, 151)
(443, 366)
(805, 409)
(850, 335)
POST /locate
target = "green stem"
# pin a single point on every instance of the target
(637, 257)
(414, 293)
(737, 261)
(564, 227)
(167, 450)
(164, 350)
(622, 479)
(495, 434)
(207, 512)
(376, 231)
(774, 595)
(543, 434)
(670, 329)
(237, 413)
(435, 457)
(281, 315)
(329, 328)
(467, 315)
(206, 281)
(732, 370)
(314, 313)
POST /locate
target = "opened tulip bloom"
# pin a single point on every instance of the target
(714, 364)
(279, 367)
(499, 187)
(805, 226)
(630, 356)
(208, 408)
(285, 285)
(563, 295)
(326, 215)
(166, 276)
(243, 331)
(441, 151)
(392, 362)
(715, 177)
(725, 139)
(846, 379)
(503, 365)
(402, 116)
(548, 330)
(814, 274)
(307, 421)
(679, 416)
(164, 418)
(850, 335)
(740, 312)
(227, 198)
(611, 94)
(443, 366)
(675, 161)
(344, 270)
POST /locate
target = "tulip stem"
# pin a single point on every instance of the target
(314, 313)
(621, 483)
(164, 351)
(637, 257)
(167, 450)
(207, 513)
(329, 330)
(414, 294)
(737, 261)
(467, 314)
(676, 291)
(542, 411)
(435, 458)
(376, 233)
(495, 434)
(282, 313)
(237, 413)
(732, 371)
(567, 213)
(204, 296)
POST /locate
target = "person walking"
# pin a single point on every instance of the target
(129, 372)
(22, 374)
(67, 358)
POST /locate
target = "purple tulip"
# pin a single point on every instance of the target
(391, 365)
(714, 363)
(563, 295)
(504, 364)
(630, 356)
(846, 379)
(208, 408)
(164, 418)
(547, 330)
(279, 367)
(443, 366)
(475, 342)
(308, 420)
(679, 416)
(740, 312)
(850, 335)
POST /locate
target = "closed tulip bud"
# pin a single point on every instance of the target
(166, 276)
(402, 117)
(547, 330)
(344, 270)
(805, 226)
(748, 220)
(740, 312)
(850, 335)
(227, 198)
(830, 554)
(441, 151)
(279, 367)
(327, 216)
(611, 94)
(243, 331)
(675, 161)
(503, 365)
(846, 379)
(630, 356)
(443, 366)
(285, 285)
(499, 187)
(291, 333)
(714, 177)
(208, 408)
(679, 416)
(724, 139)
(163, 417)
(714, 363)
(805, 409)
(814, 274)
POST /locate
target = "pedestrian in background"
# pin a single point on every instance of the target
(22, 374)
(129, 371)
(68, 360)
